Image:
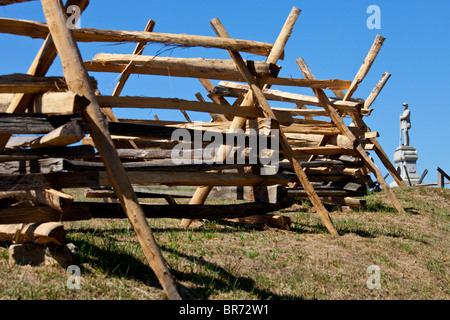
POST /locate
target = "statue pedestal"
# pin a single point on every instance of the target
(405, 159)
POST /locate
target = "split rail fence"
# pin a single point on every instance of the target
(321, 158)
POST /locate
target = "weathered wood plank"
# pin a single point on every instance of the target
(89, 193)
(77, 152)
(376, 90)
(45, 233)
(88, 210)
(197, 106)
(60, 180)
(32, 123)
(299, 193)
(23, 83)
(65, 135)
(208, 68)
(346, 201)
(115, 68)
(59, 103)
(365, 67)
(277, 95)
(40, 30)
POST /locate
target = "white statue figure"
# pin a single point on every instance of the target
(405, 124)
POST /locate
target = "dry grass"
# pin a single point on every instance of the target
(232, 261)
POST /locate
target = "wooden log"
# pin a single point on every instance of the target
(54, 199)
(341, 170)
(78, 152)
(319, 84)
(65, 135)
(327, 150)
(40, 30)
(23, 83)
(136, 130)
(198, 106)
(93, 179)
(115, 68)
(40, 233)
(299, 193)
(277, 95)
(35, 166)
(32, 123)
(87, 210)
(365, 67)
(161, 165)
(77, 79)
(188, 67)
(376, 90)
(346, 201)
(89, 193)
(59, 103)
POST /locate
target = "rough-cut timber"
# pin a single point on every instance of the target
(45, 233)
(40, 30)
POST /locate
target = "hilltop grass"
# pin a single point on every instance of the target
(233, 261)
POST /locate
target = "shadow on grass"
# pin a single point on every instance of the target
(222, 281)
(114, 263)
(344, 227)
(123, 265)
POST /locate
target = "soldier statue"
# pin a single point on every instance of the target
(405, 125)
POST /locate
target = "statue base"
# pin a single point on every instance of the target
(405, 159)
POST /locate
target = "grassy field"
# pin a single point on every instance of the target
(233, 261)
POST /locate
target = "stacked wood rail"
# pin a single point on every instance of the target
(59, 133)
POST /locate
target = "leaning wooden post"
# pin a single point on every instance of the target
(201, 194)
(284, 144)
(376, 90)
(124, 77)
(365, 67)
(78, 81)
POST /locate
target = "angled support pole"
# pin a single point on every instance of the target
(78, 82)
(284, 144)
(125, 76)
(376, 90)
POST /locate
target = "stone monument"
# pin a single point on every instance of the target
(405, 156)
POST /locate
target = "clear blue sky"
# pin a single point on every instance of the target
(331, 35)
